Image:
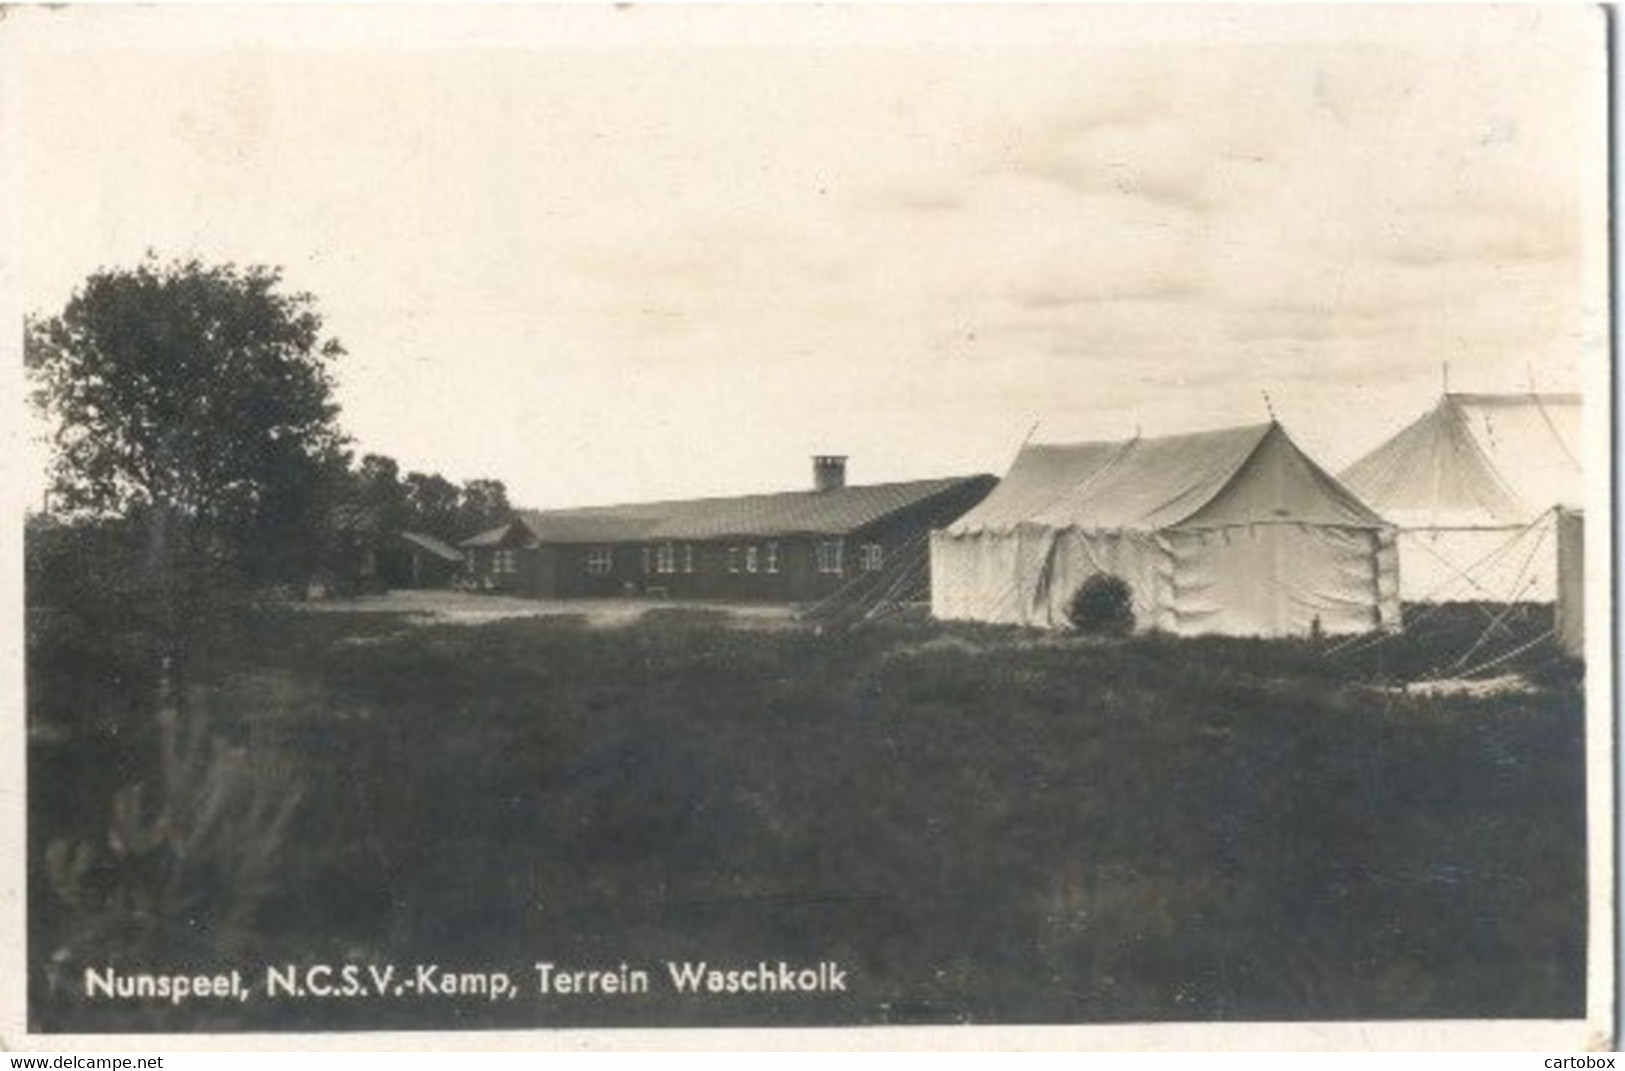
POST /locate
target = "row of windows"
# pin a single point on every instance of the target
(871, 556)
(753, 559)
(669, 558)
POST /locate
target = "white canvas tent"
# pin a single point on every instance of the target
(1476, 487)
(1233, 531)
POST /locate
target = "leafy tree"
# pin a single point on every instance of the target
(195, 445)
(484, 506)
(288, 534)
(380, 490)
(432, 501)
(195, 396)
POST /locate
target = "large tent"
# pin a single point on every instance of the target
(1233, 531)
(1476, 488)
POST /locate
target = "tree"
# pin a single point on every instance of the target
(196, 396)
(432, 500)
(484, 506)
(194, 444)
(379, 489)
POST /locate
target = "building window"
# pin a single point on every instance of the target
(770, 558)
(688, 557)
(733, 559)
(600, 561)
(750, 559)
(504, 561)
(646, 559)
(829, 556)
(871, 558)
(666, 559)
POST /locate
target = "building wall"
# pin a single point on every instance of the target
(486, 571)
(711, 569)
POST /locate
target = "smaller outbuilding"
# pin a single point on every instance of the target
(492, 559)
(420, 560)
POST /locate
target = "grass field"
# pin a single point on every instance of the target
(980, 824)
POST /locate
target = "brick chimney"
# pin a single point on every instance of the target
(829, 472)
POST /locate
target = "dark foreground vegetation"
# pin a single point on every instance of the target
(979, 825)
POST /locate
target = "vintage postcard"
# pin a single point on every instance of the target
(793, 519)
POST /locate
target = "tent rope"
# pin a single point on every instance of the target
(1551, 426)
(1485, 635)
(1512, 602)
(850, 593)
(1359, 643)
(1520, 649)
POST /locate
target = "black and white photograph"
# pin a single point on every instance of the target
(604, 518)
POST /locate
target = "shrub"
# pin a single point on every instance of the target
(1103, 605)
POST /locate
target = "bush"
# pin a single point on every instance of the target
(1103, 605)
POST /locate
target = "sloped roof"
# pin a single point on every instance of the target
(1231, 476)
(490, 537)
(833, 512)
(1477, 460)
(434, 546)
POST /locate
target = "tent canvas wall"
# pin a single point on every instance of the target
(1233, 531)
(1474, 487)
(1571, 602)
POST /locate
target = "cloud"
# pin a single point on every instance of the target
(1149, 132)
(1151, 161)
(1317, 323)
(1485, 232)
(924, 196)
(645, 263)
(1111, 290)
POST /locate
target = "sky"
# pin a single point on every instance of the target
(625, 253)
